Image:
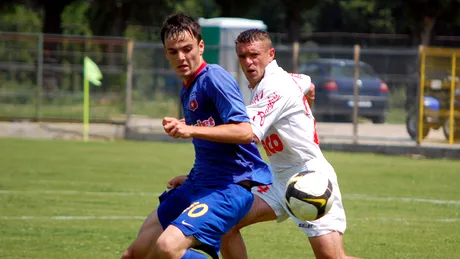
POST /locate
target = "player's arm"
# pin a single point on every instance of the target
(234, 132)
(306, 85)
(310, 95)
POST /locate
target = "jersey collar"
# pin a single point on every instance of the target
(270, 69)
(187, 84)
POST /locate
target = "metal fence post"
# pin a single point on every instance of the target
(421, 94)
(356, 94)
(295, 56)
(39, 76)
(129, 84)
(452, 99)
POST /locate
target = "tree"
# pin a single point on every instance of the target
(53, 10)
(293, 18)
(289, 15)
(235, 8)
(419, 17)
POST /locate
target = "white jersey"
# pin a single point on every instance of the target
(282, 119)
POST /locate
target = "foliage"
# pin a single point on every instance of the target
(422, 19)
(21, 18)
(377, 20)
(74, 19)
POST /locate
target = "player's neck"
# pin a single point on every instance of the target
(187, 80)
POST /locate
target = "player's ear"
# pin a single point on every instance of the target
(271, 54)
(201, 46)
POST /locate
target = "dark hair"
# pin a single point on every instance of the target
(177, 23)
(252, 35)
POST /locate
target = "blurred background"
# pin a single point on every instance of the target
(43, 42)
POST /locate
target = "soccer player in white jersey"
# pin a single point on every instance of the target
(283, 122)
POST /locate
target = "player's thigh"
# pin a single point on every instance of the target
(260, 211)
(173, 239)
(328, 246)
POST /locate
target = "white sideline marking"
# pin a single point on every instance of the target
(76, 218)
(70, 192)
(155, 194)
(71, 217)
(452, 220)
(419, 200)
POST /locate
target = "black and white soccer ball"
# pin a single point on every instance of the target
(309, 195)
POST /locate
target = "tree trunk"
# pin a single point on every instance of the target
(293, 23)
(425, 34)
(53, 10)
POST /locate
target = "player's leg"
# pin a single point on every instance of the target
(172, 203)
(329, 246)
(212, 214)
(149, 232)
(232, 244)
(326, 234)
(174, 244)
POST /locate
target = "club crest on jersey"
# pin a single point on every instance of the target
(193, 103)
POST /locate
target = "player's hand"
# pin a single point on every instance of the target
(176, 129)
(311, 95)
(169, 123)
(176, 181)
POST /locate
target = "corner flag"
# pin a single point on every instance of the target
(91, 73)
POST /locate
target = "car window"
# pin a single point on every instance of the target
(340, 70)
(311, 69)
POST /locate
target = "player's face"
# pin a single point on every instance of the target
(185, 54)
(253, 58)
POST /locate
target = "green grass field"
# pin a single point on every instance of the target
(64, 199)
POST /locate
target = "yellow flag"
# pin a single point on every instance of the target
(92, 72)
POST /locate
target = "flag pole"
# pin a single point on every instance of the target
(85, 108)
(91, 74)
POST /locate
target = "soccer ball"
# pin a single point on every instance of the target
(308, 195)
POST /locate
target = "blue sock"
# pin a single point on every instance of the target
(192, 254)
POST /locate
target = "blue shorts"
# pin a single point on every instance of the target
(206, 213)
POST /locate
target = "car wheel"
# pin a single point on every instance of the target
(446, 130)
(378, 119)
(411, 126)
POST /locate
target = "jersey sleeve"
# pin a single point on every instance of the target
(303, 81)
(223, 90)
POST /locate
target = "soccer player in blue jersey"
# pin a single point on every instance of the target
(216, 193)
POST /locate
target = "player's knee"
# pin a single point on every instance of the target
(165, 247)
(127, 254)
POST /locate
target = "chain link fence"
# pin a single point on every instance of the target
(41, 77)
